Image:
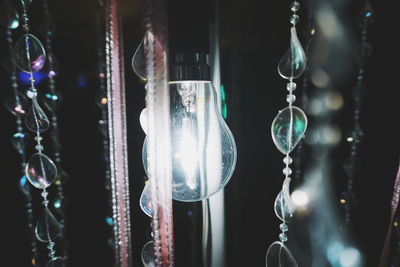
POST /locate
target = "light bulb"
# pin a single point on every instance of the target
(203, 150)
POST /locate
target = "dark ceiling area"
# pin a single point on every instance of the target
(254, 36)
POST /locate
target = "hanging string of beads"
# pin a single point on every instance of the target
(348, 198)
(40, 170)
(16, 105)
(287, 130)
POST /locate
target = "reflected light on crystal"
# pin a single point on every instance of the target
(52, 97)
(342, 201)
(103, 100)
(350, 257)
(300, 198)
(109, 221)
(51, 74)
(350, 139)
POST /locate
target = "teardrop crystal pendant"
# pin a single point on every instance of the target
(288, 128)
(294, 62)
(278, 255)
(145, 200)
(29, 53)
(9, 17)
(55, 263)
(139, 62)
(148, 258)
(36, 120)
(19, 142)
(284, 206)
(41, 171)
(47, 227)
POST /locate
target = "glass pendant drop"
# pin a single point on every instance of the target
(55, 263)
(284, 206)
(293, 63)
(41, 171)
(9, 17)
(148, 258)
(139, 62)
(288, 128)
(36, 120)
(145, 200)
(278, 255)
(29, 53)
(47, 227)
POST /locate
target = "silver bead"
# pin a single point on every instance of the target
(287, 160)
(290, 98)
(287, 171)
(295, 6)
(291, 86)
(294, 19)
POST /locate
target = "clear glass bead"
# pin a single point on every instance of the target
(291, 86)
(290, 98)
(287, 160)
(47, 227)
(284, 206)
(29, 53)
(145, 200)
(294, 19)
(283, 227)
(147, 254)
(36, 120)
(41, 171)
(295, 6)
(293, 63)
(287, 171)
(283, 237)
(288, 128)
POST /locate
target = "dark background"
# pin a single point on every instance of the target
(254, 36)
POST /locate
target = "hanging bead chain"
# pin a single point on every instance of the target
(354, 138)
(40, 170)
(102, 102)
(287, 130)
(52, 101)
(19, 140)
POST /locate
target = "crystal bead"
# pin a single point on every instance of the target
(139, 62)
(9, 17)
(287, 160)
(145, 200)
(47, 227)
(39, 148)
(283, 227)
(294, 19)
(38, 138)
(284, 206)
(24, 186)
(291, 86)
(29, 53)
(147, 255)
(36, 120)
(41, 171)
(287, 171)
(19, 142)
(295, 6)
(51, 101)
(288, 128)
(31, 93)
(17, 104)
(290, 98)
(283, 237)
(293, 63)
(278, 255)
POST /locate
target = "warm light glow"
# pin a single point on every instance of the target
(300, 198)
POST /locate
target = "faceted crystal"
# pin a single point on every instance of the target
(148, 257)
(41, 171)
(36, 120)
(288, 128)
(284, 206)
(139, 62)
(19, 142)
(295, 6)
(47, 227)
(9, 17)
(294, 19)
(278, 255)
(55, 263)
(29, 53)
(145, 200)
(293, 63)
